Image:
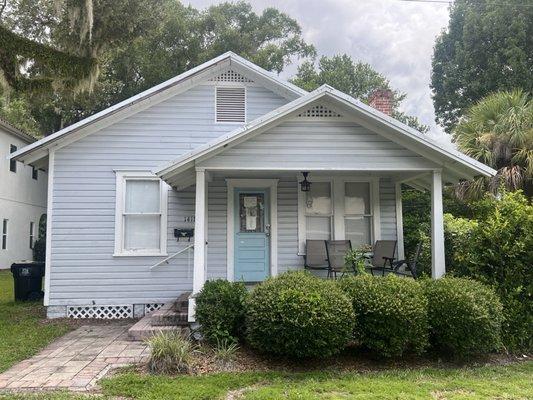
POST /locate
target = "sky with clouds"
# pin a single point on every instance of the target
(395, 37)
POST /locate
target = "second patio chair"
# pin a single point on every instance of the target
(336, 251)
(382, 256)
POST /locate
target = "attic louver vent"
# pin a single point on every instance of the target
(230, 104)
(319, 111)
(231, 76)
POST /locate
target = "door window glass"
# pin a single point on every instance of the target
(252, 212)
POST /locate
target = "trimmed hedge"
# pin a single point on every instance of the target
(465, 316)
(390, 313)
(220, 310)
(298, 315)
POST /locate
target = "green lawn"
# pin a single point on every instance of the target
(497, 382)
(23, 329)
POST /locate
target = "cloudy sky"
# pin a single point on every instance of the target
(396, 37)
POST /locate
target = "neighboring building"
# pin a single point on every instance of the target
(221, 149)
(22, 198)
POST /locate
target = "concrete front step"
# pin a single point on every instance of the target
(143, 330)
(168, 315)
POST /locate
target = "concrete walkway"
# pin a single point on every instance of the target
(77, 360)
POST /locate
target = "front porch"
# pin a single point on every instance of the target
(249, 225)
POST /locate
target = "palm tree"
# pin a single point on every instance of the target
(498, 131)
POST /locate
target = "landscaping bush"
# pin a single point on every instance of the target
(465, 316)
(498, 251)
(390, 313)
(220, 310)
(298, 315)
(169, 352)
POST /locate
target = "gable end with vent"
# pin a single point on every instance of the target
(319, 111)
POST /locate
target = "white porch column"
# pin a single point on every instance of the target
(200, 223)
(438, 267)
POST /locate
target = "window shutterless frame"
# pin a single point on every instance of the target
(32, 234)
(12, 163)
(121, 179)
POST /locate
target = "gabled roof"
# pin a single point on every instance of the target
(6, 126)
(397, 131)
(228, 58)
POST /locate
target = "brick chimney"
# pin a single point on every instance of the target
(381, 100)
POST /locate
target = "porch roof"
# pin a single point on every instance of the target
(452, 162)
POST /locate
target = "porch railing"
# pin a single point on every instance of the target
(170, 257)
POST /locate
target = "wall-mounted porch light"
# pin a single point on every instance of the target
(305, 185)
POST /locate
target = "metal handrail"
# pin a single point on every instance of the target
(166, 260)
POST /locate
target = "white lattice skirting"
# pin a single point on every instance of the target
(231, 76)
(100, 312)
(150, 308)
(319, 111)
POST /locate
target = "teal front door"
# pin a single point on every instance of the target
(252, 235)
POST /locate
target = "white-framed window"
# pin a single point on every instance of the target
(141, 214)
(4, 234)
(318, 211)
(230, 104)
(32, 234)
(358, 213)
(339, 208)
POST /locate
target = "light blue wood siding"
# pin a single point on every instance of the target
(83, 218)
(318, 144)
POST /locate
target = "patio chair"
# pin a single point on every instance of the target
(410, 264)
(382, 256)
(316, 257)
(336, 251)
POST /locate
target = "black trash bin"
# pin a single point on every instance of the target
(28, 279)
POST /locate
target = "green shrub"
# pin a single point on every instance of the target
(465, 316)
(220, 310)
(169, 352)
(298, 315)
(498, 251)
(390, 313)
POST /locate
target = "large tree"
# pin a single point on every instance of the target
(170, 39)
(355, 78)
(498, 131)
(488, 46)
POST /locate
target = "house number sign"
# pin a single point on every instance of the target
(188, 218)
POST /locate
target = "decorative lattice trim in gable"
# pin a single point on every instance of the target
(231, 76)
(319, 111)
(151, 307)
(100, 312)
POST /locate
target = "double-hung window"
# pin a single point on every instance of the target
(357, 213)
(339, 208)
(141, 214)
(319, 211)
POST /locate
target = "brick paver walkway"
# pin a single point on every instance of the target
(77, 360)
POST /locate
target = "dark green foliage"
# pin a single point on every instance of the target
(390, 313)
(299, 315)
(355, 78)
(416, 207)
(220, 310)
(465, 316)
(498, 251)
(486, 48)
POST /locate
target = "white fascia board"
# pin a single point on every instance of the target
(227, 57)
(212, 148)
(412, 133)
(184, 161)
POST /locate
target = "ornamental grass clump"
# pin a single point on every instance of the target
(390, 313)
(465, 316)
(298, 315)
(170, 352)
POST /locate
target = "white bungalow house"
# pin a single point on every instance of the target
(22, 198)
(220, 149)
